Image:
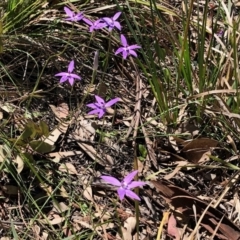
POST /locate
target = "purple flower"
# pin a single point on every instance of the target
(98, 24)
(220, 33)
(126, 49)
(68, 75)
(125, 186)
(73, 16)
(111, 22)
(100, 106)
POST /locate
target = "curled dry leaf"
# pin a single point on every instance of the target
(57, 156)
(85, 130)
(194, 150)
(54, 135)
(87, 193)
(68, 167)
(63, 192)
(18, 160)
(127, 229)
(60, 207)
(182, 201)
(56, 220)
(61, 111)
(44, 236)
(36, 229)
(172, 227)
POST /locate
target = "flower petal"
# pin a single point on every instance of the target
(71, 66)
(125, 54)
(121, 193)
(135, 184)
(129, 177)
(107, 20)
(111, 180)
(110, 28)
(63, 79)
(70, 19)
(61, 74)
(68, 12)
(101, 113)
(111, 102)
(132, 195)
(71, 80)
(74, 76)
(135, 46)
(116, 15)
(92, 105)
(87, 21)
(94, 112)
(132, 52)
(124, 40)
(100, 25)
(99, 100)
(79, 16)
(119, 50)
(117, 25)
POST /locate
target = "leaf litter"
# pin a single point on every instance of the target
(78, 152)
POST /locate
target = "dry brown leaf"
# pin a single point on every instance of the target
(54, 135)
(87, 193)
(56, 220)
(47, 188)
(196, 150)
(44, 236)
(3, 152)
(63, 192)
(8, 107)
(36, 229)
(127, 229)
(201, 143)
(101, 212)
(195, 155)
(151, 155)
(61, 111)
(57, 156)
(83, 222)
(67, 231)
(176, 170)
(107, 160)
(85, 130)
(60, 207)
(18, 160)
(182, 201)
(188, 127)
(172, 227)
(173, 143)
(10, 189)
(159, 125)
(68, 167)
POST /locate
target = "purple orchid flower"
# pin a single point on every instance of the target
(126, 49)
(100, 106)
(220, 33)
(125, 186)
(68, 75)
(98, 24)
(111, 22)
(73, 16)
